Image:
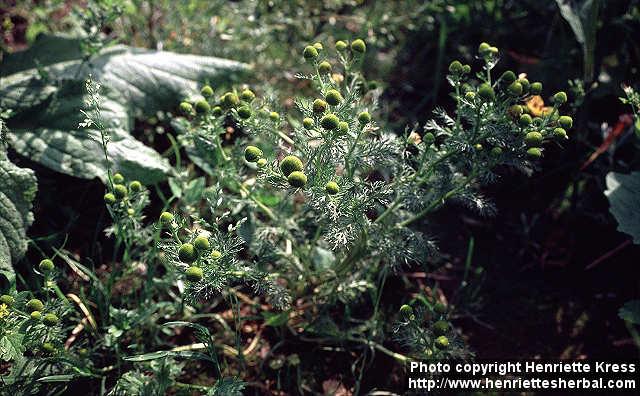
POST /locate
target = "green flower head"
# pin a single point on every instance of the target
(187, 253)
(166, 218)
(297, 179)
(364, 118)
(120, 191)
(289, 164)
(193, 274)
(333, 97)
(35, 305)
(319, 106)
(332, 188)
(358, 46)
(329, 121)
(201, 243)
(50, 320)
(206, 91)
(533, 139)
(252, 153)
(45, 265)
(135, 186)
(310, 52)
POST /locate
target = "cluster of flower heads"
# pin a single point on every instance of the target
(31, 315)
(323, 114)
(240, 104)
(426, 331)
(122, 197)
(518, 98)
(192, 253)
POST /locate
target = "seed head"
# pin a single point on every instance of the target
(560, 133)
(35, 315)
(341, 45)
(525, 120)
(535, 88)
(215, 254)
(456, 68)
(442, 342)
(484, 49)
(343, 127)
(534, 152)
(109, 199)
(230, 100)
(515, 111)
(7, 300)
(515, 89)
(406, 312)
(508, 77)
(441, 327)
(48, 347)
(274, 116)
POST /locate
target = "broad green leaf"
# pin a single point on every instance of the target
(46, 92)
(630, 312)
(11, 346)
(623, 192)
(18, 188)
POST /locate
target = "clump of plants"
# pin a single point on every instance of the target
(314, 209)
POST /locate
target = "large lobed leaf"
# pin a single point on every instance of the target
(623, 192)
(17, 191)
(46, 91)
